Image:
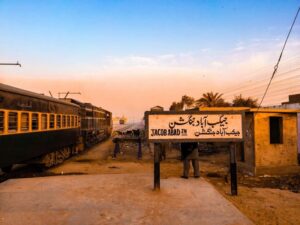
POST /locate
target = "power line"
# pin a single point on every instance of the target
(280, 56)
(276, 90)
(288, 75)
(260, 87)
(242, 84)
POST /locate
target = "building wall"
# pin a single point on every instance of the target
(275, 155)
(298, 118)
(247, 152)
(290, 105)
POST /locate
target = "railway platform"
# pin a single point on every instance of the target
(114, 199)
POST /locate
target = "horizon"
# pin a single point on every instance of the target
(128, 56)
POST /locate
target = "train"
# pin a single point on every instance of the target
(42, 130)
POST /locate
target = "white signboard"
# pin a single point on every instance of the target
(194, 126)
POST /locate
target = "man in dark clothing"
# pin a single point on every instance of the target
(189, 152)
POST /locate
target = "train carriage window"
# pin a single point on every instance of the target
(63, 121)
(76, 121)
(24, 122)
(12, 122)
(72, 121)
(58, 121)
(44, 121)
(68, 121)
(51, 124)
(34, 121)
(1, 122)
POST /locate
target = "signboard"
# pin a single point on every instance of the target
(198, 126)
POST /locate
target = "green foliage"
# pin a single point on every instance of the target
(240, 101)
(176, 106)
(187, 101)
(211, 99)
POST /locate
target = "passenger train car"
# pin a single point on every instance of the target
(96, 123)
(38, 129)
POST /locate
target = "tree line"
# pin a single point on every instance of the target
(211, 99)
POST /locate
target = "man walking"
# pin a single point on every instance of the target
(189, 152)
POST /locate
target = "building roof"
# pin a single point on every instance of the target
(248, 109)
(15, 90)
(157, 108)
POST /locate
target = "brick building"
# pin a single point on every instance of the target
(271, 140)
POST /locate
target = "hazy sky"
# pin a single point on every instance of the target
(127, 56)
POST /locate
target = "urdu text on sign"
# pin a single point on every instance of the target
(194, 126)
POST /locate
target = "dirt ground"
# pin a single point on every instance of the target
(265, 200)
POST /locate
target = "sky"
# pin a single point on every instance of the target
(129, 55)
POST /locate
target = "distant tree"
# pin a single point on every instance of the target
(211, 99)
(176, 106)
(240, 101)
(187, 101)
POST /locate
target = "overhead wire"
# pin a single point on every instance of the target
(260, 83)
(261, 87)
(278, 61)
(259, 72)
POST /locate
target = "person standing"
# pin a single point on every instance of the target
(189, 152)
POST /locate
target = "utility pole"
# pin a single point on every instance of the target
(11, 64)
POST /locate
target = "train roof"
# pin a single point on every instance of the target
(14, 90)
(83, 104)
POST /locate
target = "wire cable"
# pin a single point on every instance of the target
(278, 61)
(287, 75)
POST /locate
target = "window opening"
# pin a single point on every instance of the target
(44, 122)
(68, 121)
(76, 121)
(35, 121)
(51, 124)
(24, 121)
(72, 121)
(1, 122)
(63, 121)
(12, 121)
(58, 121)
(276, 136)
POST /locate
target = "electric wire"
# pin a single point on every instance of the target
(278, 61)
(288, 75)
(261, 71)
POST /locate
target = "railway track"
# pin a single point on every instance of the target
(34, 170)
(23, 171)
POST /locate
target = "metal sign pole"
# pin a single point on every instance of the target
(195, 126)
(233, 169)
(139, 154)
(157, 149)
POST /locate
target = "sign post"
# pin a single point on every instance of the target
(157, 149)
(166, 126)
(233, 169)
